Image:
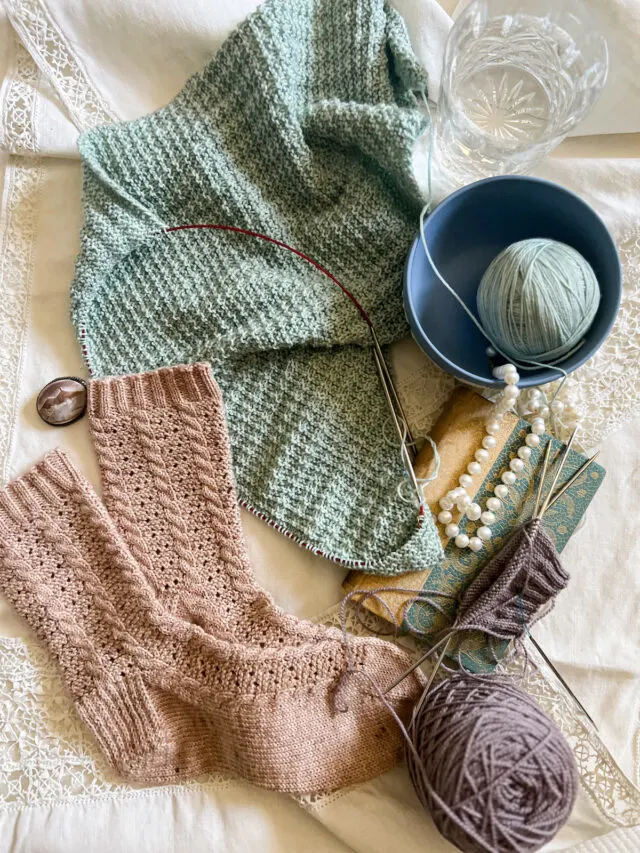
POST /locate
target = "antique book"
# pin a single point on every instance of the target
(458, 433)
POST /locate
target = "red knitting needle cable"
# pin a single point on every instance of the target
(393, 400)
(282, 245)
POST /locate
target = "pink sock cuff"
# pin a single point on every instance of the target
(44, 485)
(167, 386)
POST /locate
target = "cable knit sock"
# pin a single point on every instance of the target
(165, 461)
(166, 700)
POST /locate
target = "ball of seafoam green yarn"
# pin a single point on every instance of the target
(537, 300)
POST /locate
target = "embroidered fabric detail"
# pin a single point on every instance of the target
(47, 754)
(18, 128)
(422, 387)
(64, 70)
(18, 217)
(604, 394)
(612, 793)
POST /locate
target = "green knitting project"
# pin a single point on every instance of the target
(301, 128)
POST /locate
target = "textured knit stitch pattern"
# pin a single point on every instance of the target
(176, 660)
(301, 128)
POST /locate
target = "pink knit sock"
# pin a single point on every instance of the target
(167, 481)
(252, 695)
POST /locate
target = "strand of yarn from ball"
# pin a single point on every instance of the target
(493, 770)
(537, 299)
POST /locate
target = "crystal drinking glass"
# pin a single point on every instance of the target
(517, 77)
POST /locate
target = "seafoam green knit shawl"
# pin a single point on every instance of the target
(302, 128)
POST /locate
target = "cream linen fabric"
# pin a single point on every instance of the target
(100, 61)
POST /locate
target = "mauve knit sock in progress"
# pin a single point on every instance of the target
(165, 699)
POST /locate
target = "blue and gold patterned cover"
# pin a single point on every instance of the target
(464, 430)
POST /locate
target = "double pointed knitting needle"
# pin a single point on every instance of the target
(446, 640)
(587, 464)
(543, 474)
(545, 505)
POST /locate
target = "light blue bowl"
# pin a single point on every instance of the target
(465, 233)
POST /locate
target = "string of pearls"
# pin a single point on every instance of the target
(459, 497)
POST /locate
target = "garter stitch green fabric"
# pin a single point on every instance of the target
(302, 128)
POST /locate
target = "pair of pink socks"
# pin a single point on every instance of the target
(175, 659)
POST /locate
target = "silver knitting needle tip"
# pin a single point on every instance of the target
(562, 681)
(589, 462)
(565, 455)
(446, 640)
(400, 428)
(388, 379)
(543, 474)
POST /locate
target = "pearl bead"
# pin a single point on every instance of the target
(452, 530)
(493, 504)
(532, 440)
(501, 491)
(488, 517)
(481, 455)
(493, 427)
(537, 427)
(501, 371)
(488, 442)
(508, 478)
(524, 452)
(511, 392)
(535, 393)
(491, 353)
(454, 494)
(544, 412)
(445, 517)
(474, 467)
(462, 540)
(512, 378)
(463, 502)
(446, 503)
(475, 543)
(474, 511)
(516, 465)
(465, 480)
(557, 406)
(535, 406)
(484, 533)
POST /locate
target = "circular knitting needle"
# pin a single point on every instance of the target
(400, 428)
(394, 394)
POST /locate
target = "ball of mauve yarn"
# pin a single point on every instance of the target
(496, 774)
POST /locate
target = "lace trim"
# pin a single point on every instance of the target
(46, 754)
(18, 106)
(18, 218)
(53, 54)
(604, 394)
(612, 793)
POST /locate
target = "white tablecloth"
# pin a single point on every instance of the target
(77, 63)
